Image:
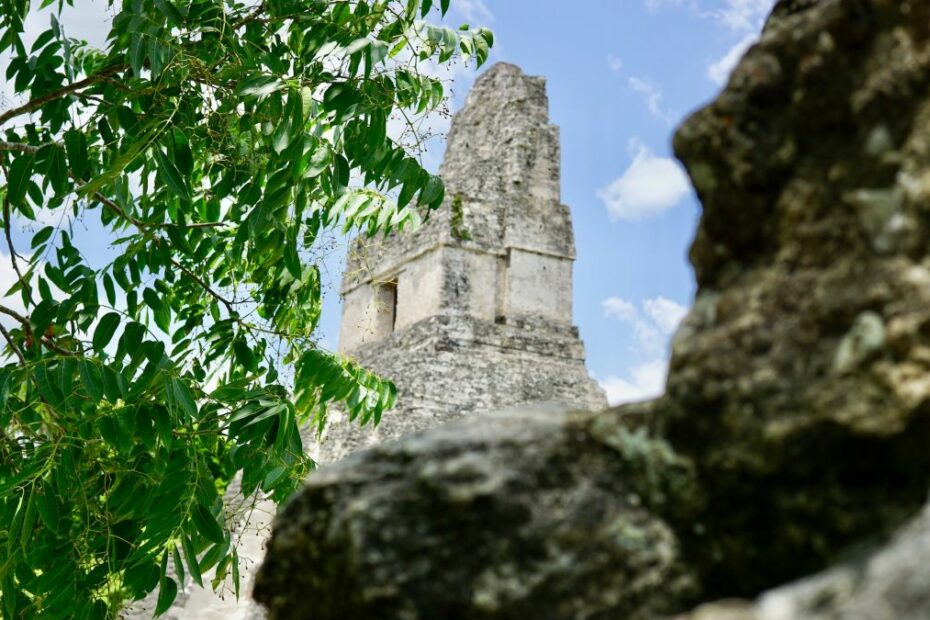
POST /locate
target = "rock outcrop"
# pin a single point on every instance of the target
(796, 424)
(442, 525)
(800, 382)
(890, 583)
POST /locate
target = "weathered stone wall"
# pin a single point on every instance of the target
(502, 176)
(450, 366)
(795, 427)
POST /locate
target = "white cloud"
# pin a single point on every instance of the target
(650, 186)
(8, 278)
(665, 313)
(743, 18)
(620, 309)
(646, 381)
(720, 70)
(652, 97)
(614, 63)
(475, 11)
(743, 15)
(737, 15)
(652, 328)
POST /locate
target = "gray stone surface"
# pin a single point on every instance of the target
(472, 312)
(890, 583)
(442, 525)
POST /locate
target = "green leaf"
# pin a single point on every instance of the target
(193, 566)
(178, 564)
(43, 315)
(42, 236)
(29, 518)
(259, 86)
(170, 176)
(444, 6)
(292, 258)
(167, 593)
(235, 572)
(109, 289)
(206, 524)
(160, 310)
(170, 11)
(20, 173)
(92, 380)
(105, 330)
(184, 397)
(273, 477)
(47, 505)
(76, 147)
(433, 193)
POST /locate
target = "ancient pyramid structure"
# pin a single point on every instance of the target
(473, 311)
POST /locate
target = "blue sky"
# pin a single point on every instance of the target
(621, 75)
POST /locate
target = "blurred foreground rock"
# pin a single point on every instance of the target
(800, 382)
(796, 425)
(891, 583)
(523, 514)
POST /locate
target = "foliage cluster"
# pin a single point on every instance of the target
(211, 144)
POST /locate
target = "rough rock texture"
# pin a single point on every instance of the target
(800, 382)
(799, 392)
(440, 525)
(472, 312)
(891, 583)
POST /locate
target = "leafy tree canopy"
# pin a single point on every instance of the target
(211, 143)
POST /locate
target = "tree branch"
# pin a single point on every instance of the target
(7, 227)
(9, 340)
(17, 147)
(27, 327)
(38, 102)
(193, 276)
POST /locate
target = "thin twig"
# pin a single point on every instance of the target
(27, 327)
(8, 225)
(17, 147)
(9, 339)
(193, 276)
(38, 102)
(13, 313)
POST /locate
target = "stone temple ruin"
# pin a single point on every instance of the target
(472, 312)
